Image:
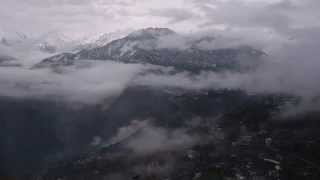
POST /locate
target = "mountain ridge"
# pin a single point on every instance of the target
(142, 46)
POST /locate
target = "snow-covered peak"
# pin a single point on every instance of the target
(101, 39)
(106, 38)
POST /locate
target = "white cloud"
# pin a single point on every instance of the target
(100, 82)
(144, 138)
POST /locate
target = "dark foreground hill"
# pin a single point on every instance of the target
(238, 136)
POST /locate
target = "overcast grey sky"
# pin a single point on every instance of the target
(82, 17)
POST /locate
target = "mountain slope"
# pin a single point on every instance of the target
(143, 47)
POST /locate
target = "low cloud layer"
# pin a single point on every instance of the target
(87, 82)
(291, 67)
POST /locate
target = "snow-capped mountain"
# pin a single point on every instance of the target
(127, 46)
(142, 46)
(100, 40)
